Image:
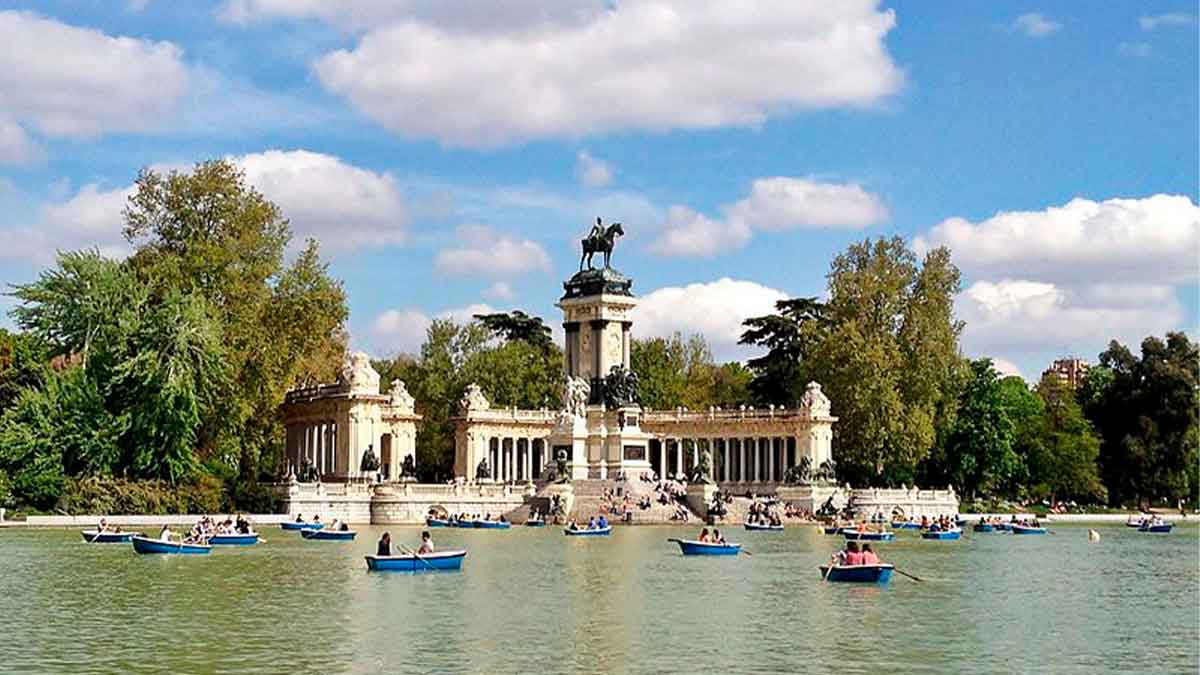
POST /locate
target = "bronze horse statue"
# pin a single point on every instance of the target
(600, 243)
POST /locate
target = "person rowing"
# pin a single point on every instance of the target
(704, 538)
(868, 556)
(426, 544)
(165, 533)
(299, 517)
(102, 527)
(851, 556)
(717, 538)
(384, 547)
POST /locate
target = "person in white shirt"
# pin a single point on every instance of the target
(165, 533)
(426, 543)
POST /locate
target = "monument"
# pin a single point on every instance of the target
(597, 430)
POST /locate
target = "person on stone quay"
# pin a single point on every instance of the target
(426, 543)
(384, 547)
(703, 538)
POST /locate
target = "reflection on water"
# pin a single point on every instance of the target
(534, 601)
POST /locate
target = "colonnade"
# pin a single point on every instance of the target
(515, 458)
(735, 459)
(314, 441)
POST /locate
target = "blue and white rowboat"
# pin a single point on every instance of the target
(535, 523)
(438, 522)
(233, 539)
(329, 535)
(1027, 529)
(589, 532)
(94, 537)
(301, 526)
(759, 527)
(689, 547)
(984, 527)
(942, 534)
(148, 545)
(867, 574)
(1159, 528)
(492, 525)
(855, 535)
(905, 525)
(442, 560)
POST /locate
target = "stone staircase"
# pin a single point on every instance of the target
(589, 501)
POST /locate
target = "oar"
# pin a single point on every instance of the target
(415, 554)
(828, 571)
(914, 578)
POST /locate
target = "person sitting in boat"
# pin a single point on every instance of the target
(299, 517)
(384, 548)
(165, 533)
(572, 526)
(317, 518)
(853, 555)
(602, 522)
(242, 526)
(103, 526)
(426, 543)
(925, 522)
(343, 527)
(716, 537)
(703, 538)
(591, 523)
(868, 556)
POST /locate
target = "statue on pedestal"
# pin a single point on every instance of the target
(620, 387)
(703, 471)
(408, 468)
(799, 474)
(482, 472)
(600, 240)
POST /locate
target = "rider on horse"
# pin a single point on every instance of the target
(600, 240)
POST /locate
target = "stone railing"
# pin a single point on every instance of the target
(542, 416)
(308, 393)
(717, 414)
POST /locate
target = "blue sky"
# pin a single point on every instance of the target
(449, 158)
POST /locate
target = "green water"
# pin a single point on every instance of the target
(530, 600)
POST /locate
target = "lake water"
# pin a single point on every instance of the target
(532, 600)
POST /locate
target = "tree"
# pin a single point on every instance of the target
(518, 326)
(884, 347)
(674, 372)
(1025, 410)
(789, 336)
(1146, 410)
(1063, 462)
(980, 454)
(23, 360)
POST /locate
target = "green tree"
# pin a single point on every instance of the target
(790, 335)
(1146, 413)
(980, 454)
(518, 326)
(1025, 410)
(1063, 462)
(23, 360)
(674, 372)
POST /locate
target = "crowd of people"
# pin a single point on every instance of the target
(456, 518)
(594, 523)
(853, 555)
(204, 529)
(715, 538)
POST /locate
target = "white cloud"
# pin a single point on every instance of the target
(715, 310)
(16, 147)
(690, 234)
(483, 252)
(78, 82)
(1152, 240)
(644, 64)
(1005, 367)
(343, 206)
(1035, 25)
(592, 172)
(499, 291)
(402, 331)
(486, 16)
(1015, 317)
(774, 204)
(91, 218)
(1169, 20)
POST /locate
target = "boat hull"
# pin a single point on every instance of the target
(862, 574)
(906, 526)
(702, 548)
(491, 525)
(535, 523)
(146, 545)
(984, 527)
(233, 539)
(947, 535)
(328, 535)
(1022, 529)
(92, 537)
(1157, 529)
(597, 532)
(302, 526)
(753, 527)
(444, 560)
(832, 529)
(851, 535)
(437, 522)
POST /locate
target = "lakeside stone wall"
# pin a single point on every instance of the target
(401, 504)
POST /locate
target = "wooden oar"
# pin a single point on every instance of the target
(828, 571)
(914, 578)
(413, 552)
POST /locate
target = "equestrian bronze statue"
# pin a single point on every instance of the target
(600, 240)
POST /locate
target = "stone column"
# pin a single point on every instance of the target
(725, 457)
(741, 460)
(771, 460)
(678, 455)
(625, 342)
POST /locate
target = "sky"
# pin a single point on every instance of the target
(448, 156)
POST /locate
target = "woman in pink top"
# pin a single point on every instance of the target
(868, 556)
(853, 555)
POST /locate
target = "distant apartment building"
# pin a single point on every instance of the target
(1068, 371)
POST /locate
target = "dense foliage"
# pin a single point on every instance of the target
(673, 372)
(171, 364)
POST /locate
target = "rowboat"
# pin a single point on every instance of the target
(984, 527)
(1003, 527)
(589, 532)
(955, 533)
(855, 535)
(438, 522)
(233, 539)
(689, 547)
(535, 523)
(329, 535)
(302, 526)
(442, 560)
(905, 525)
(1027, 529)
(1135, 522)
(960, 521)
(761, 527)
(492, 525)
(833, 529)
(94, 537)
(868, 574)
(148, 545)
(465, 524)
(1161, 528)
